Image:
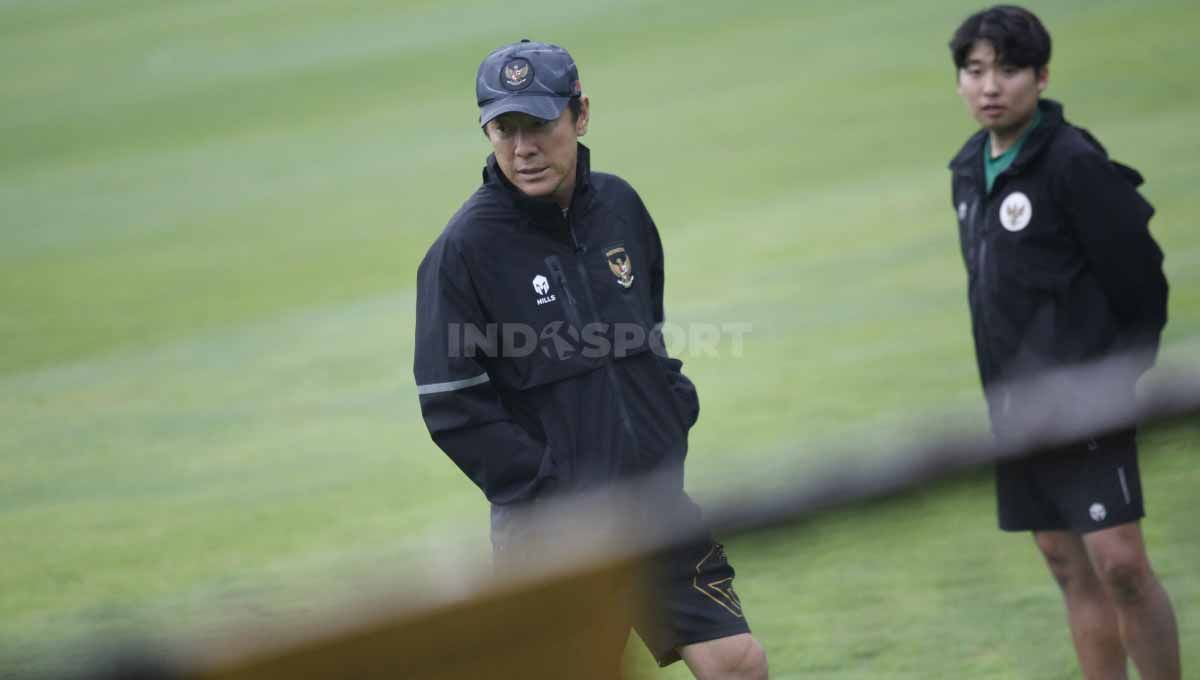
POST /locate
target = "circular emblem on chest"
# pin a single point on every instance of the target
(516, 75)
(1016, 211)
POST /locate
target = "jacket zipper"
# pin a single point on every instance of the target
(560, 277)
(609, 369)
(978, 224)
(981, 288)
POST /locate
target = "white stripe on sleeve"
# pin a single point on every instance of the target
(435, 388)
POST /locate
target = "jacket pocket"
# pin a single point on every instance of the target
(683, 392)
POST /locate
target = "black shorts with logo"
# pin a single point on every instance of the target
(1083, 487)
(687, 593)
(691, 599)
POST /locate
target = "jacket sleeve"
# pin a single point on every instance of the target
(1111, 220)
(683, 388)
(463, 410)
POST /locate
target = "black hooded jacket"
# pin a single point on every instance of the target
(1061, 265)
(536, 361)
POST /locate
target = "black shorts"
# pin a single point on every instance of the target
(1081, 488)
(686, 594)
(690, 599)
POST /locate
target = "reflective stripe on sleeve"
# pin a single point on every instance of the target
(435, 388)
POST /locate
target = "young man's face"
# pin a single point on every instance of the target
(538, 156)
(1002, 97)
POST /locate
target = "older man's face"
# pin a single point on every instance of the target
(538, 156)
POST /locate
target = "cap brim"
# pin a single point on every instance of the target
(546, 107)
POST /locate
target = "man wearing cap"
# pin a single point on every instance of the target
(537, 363)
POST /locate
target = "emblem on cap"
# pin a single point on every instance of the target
(620, 265)
(516, 74)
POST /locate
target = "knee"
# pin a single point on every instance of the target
(1126, 582)
(1065, 566)
(743, 661)
(1060, 569)
(737, 657)
(753, 662)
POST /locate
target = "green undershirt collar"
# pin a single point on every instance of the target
(992, 167)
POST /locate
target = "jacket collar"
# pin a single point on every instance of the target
(970, 158)
(543, 211)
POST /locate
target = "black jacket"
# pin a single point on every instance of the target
(535, 358)
(1061, 265)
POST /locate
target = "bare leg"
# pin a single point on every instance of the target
(1091, 615)
(737, 657)
(1147, 621)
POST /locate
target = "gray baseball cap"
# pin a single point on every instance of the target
(529, 77)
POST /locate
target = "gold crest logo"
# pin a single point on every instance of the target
(620, 264)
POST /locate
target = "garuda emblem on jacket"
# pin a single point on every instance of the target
(620, 264)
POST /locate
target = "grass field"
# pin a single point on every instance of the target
(212, 215)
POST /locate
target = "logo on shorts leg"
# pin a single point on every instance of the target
(719, 591)
(1097, 512)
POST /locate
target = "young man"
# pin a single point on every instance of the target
(535, 364)
(1062, 272)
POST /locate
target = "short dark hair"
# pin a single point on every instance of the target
(1016, 34)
